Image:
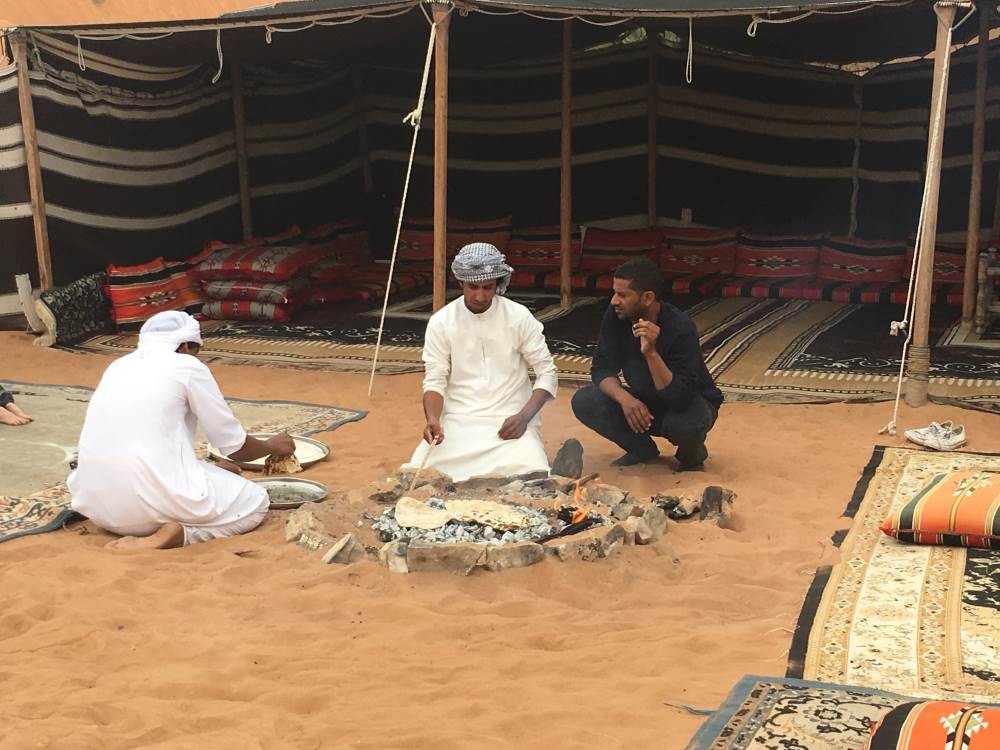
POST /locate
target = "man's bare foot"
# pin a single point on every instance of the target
(168, 536)
(16, 411)
(9, 417)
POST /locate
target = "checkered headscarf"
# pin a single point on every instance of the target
(481, 261)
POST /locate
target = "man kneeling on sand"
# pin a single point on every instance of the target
(670, 392)
(138, 475)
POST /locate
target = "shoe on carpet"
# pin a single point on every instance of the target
(940, 437)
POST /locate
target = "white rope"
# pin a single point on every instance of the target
(218, 49)
(413, 119)
(756, 20)
(79, 54)
(896, 326)
(689, 68)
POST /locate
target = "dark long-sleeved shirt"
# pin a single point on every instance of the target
(619, 350)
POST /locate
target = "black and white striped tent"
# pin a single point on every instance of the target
(773, 131)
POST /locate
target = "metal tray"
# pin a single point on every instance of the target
(291, 492)
(307, 450)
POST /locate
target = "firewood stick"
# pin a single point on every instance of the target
(416, 476)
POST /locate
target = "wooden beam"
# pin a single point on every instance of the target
(652, 118)
(918, 366)
(976, 183)
(442, 19)
(20, 49)
(360, 116)
(566, 174)
(242, 160)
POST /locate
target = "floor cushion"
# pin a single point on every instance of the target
(246, 310)
(760, 255)
(345, 240)
(264, 263)
(495, 232)
(138, 292)
(937, 725)
(850, 259)
(606, 249)
(74, 312)
(291, 292)
(332, 272)
(698, 250)
(949, 262)
(541, 247)
(960, 508)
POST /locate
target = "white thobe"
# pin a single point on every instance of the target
(137, 465)
(479, 364)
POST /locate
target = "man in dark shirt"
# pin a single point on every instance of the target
(670, 393)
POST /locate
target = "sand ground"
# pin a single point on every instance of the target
(251, 643)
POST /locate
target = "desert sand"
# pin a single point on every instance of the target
(252, 643)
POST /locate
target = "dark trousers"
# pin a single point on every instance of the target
(6, 397)
(686, 428)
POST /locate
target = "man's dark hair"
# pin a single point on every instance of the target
(642, 274)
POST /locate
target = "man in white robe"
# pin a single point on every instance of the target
(138, 475)
(479, 402)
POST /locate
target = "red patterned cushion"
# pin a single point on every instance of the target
(849, 259)
(541, 247)
(778, 256)
(246, 310)
(266, 263)
(606, 249)
(332, 272)
(496, 232)
(289, 237)
(327, 296)
(937, 724)
(139, 292)
(949, 262)
(416, 239)
(346, 240)
(698, 250)
(291, 292)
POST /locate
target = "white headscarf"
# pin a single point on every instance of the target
(481, 261)
(169, 330)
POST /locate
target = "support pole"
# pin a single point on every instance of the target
(20, 49)
(976, 186)
(442, 19)
(360, 121)
(652, 117)
(566, 175)
(242, 161)
(919, 357)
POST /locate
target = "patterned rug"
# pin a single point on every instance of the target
(919, 619)
(777, 351)
(959, 335)
(34, 459)
(771, 713)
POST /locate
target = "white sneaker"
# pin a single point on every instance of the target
(939, 437)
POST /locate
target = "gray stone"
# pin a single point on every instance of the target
(530, 476)
(393, 556)
(314, 541)
(519, 555)
(458, 558)
(345, 551)
(643, 533)
(656, 520)
(487, 482)
(627, 507)
(384, 491)
(607, 494)
(569, 459)
(717, 503)
(428, 477)
(593, 544)
(424, 492)
(299, 521)
(678, 506)
(630, 526)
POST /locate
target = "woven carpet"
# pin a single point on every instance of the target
(918, 619)
(778, 351)
(34, 459)
(959, 335)
(772, 713)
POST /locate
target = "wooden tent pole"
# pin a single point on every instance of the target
(20, 49)
(242, 160)
(918, 365)
(360, 117)
(652, 117)
(976, 186)
(442, 19)
(565, 173)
